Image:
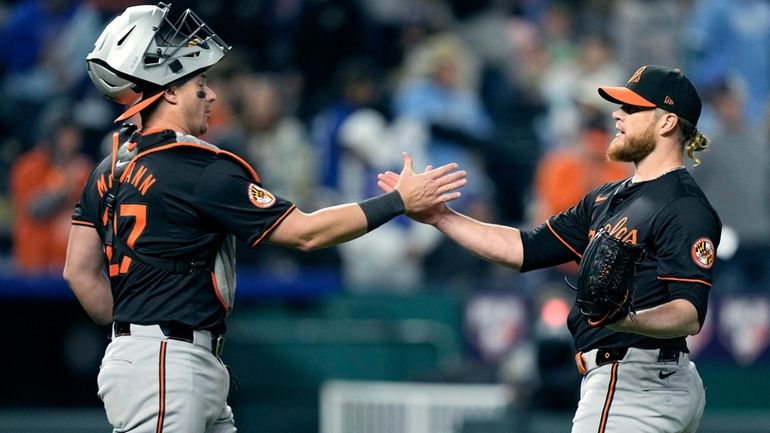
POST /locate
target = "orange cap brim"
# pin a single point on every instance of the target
(139, 106)
(624, 95)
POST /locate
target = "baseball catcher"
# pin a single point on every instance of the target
(151, 249)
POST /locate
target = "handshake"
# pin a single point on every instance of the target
(425, 194)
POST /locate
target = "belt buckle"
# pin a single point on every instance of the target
(217, 344)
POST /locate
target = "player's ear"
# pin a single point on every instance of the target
(171, 94)
(668, 123)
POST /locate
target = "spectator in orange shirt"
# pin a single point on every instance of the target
(45, 185)
(565, 175)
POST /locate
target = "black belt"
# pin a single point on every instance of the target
(176, 332)
(605, 356)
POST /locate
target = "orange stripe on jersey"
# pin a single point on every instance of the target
(610, 396)
(548, 224)
(243, 162)
(275, 224)
(82, 223)
(685, 280)
(161, 387)
(230, 154)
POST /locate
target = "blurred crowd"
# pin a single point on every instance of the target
(321, 95)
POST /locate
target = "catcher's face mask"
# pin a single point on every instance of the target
(142, 48)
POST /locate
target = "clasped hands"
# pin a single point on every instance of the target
(424, 194)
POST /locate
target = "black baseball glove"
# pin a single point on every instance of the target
(606, 279)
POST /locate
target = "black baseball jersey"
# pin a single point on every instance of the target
(670, 216)
(176, 202)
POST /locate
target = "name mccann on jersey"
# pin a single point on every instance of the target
(141, 178)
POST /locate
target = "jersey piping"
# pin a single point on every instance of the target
(275, 224)
(662, 278)
(685, 280)
(547, 223)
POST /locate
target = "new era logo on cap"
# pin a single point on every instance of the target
(658, 86)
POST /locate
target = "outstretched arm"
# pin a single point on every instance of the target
(333, 225)
(492, 242)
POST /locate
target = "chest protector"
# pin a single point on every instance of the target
(128, 147)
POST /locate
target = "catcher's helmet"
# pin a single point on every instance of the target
(142, 49)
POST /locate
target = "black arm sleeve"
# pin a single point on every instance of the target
(543, 249)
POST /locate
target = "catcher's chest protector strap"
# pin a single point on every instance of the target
(129, 145)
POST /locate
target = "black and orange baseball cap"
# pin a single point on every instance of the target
(658, 86)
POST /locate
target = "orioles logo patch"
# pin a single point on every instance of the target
(260, 197)
(637, 75)
(703, 253)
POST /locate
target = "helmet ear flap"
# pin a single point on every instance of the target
(111, 84)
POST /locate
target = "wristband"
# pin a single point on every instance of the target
(381, 209)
